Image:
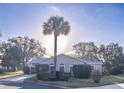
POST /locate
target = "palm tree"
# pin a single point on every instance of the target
(0, 34)
(56, 25)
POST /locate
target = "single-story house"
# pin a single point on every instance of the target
(64, 63)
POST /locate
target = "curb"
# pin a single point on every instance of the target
(45, 84)
(54, 86)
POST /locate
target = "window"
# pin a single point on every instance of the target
(51, 64)
(71, 69)
(61, 64)
(61, 69)
(52, 69)
(92, 67)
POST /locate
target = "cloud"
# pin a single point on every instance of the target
(55, 10)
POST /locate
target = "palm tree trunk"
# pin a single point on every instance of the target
(55, 53)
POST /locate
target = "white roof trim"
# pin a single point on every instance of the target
(43, 60)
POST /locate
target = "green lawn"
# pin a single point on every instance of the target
(11, 74)
(80, 83)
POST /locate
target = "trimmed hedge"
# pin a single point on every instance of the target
(2, 70)
(122, 67)
(64, 76)
(82, 71)
(42, 72)
(42, 68)
(45, 76)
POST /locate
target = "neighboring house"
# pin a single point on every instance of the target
(97, 65)
(65, 63)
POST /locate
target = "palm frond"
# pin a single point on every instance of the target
(65, 29)
(47, 29)
(57, 25)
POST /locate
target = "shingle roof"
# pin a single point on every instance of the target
(40, 60)
(37, 60)
(63, 55)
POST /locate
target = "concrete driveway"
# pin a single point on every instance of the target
(17, 78)
(17, 83)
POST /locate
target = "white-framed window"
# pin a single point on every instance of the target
(51, 64)
(61, 68)
(52, 68)
(71, 70)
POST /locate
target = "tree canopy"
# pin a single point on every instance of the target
(19, 50)
(86, 50)
(112, 53)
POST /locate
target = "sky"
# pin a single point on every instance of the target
(99, 23)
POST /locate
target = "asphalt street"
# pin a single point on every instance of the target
(23, 85)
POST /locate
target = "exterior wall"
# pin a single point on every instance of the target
(97, 67)
(65, 61)
(0, 66)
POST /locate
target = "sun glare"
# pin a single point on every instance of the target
(49, 44)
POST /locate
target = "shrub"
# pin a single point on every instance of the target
(2, 70)
(115, 70)
(82, 71)
(96, 75)
(107, 67)
(28, 70)
(105, 73)
(33, 70)
(42, 68)
(45, 76)
(42, 72)
(122, 66)
(64, 76)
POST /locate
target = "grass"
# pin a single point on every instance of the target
(10, 74)
(80, 83)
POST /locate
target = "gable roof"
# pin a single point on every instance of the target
(37, 60)
(62, 55)
(44, 60)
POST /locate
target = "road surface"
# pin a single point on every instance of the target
(113, 86)
(21, 85)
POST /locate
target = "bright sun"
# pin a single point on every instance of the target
(49, 44)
